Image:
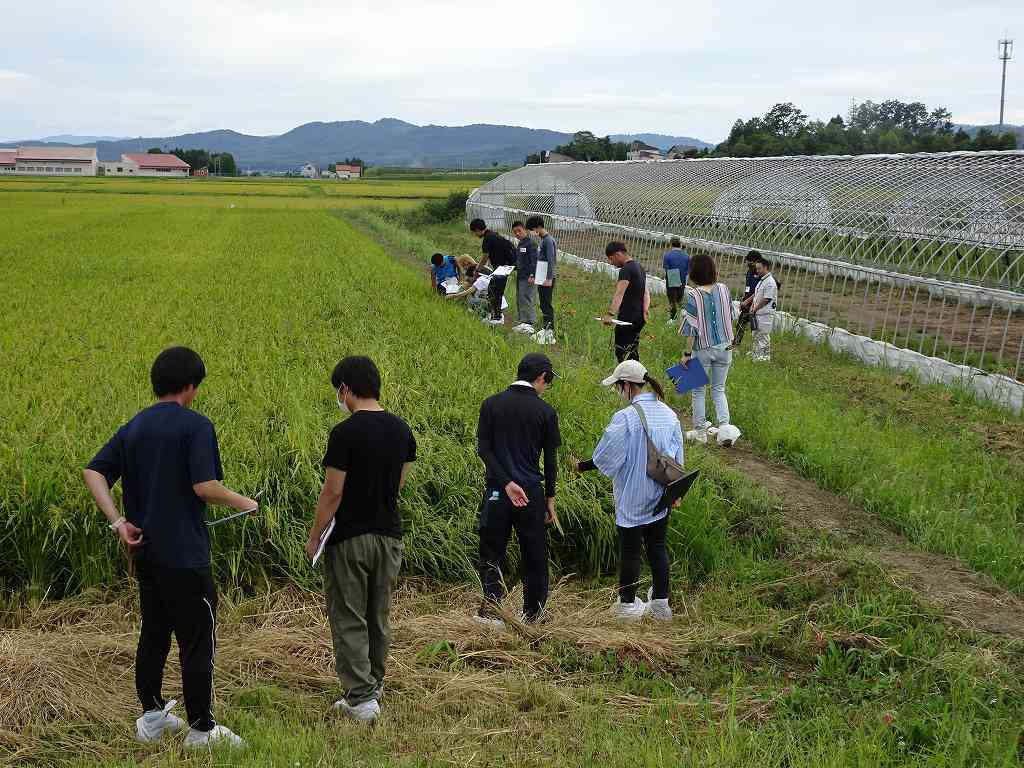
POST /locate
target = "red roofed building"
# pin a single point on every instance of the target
(348, 171)
(75, 161)
(8, 160)
(145, 164)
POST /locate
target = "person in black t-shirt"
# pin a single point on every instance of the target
(168, 463)
(630, 304)
(499, 252)
(515, 427)
(367, 460)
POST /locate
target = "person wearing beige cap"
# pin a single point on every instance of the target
(621, 455)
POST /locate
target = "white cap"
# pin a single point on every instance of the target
(628, 370)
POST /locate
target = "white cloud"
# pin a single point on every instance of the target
(262, 66)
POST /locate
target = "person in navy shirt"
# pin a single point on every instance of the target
(750, 285)
(678, 260)
(168, 462)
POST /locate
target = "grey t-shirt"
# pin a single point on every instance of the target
(548, 252)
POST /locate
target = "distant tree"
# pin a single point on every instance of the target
(352, 161)
(154, 151)
(586, 146)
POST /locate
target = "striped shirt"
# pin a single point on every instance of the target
(708, 316)
(622, 456)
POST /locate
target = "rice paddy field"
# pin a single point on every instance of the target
(847, 582)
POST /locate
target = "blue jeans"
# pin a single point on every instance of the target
(716, 363)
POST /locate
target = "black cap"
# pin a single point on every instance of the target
(533, 365)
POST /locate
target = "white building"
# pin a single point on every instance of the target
(49, 161)
(638, 150)
(310, 171)
(147, 165)
(344, 171)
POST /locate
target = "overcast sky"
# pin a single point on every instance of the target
(113, 67)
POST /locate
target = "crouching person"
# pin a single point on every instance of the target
(168, 463)
(368, 457)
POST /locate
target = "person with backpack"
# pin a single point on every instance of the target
(622, 455)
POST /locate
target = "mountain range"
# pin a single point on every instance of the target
(385, 142)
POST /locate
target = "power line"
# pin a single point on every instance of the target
(1005, 54)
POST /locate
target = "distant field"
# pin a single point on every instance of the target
(412, 189)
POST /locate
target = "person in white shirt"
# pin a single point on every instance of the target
(762, 310)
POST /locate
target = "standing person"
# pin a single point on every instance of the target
(631, 302)
(762, 309)
(751, 279)
(526, 291)
(367, 461)
(499, 252)
(621, 455)
(442, 268)
(168, 462)
(676, 263)
(547, 252)
(515, 427)
(707, 329)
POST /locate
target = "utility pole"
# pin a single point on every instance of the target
(1005, 54)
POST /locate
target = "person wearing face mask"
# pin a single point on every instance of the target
(368, 458)
(621, 455)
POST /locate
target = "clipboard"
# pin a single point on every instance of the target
(675, 491)
(323, 542)
(689, 376)
(503, 271)
(540, 274)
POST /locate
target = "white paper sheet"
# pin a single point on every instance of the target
(541, 274)
(613, 322)
(502, 271)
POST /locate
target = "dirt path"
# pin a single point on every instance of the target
(968, 599)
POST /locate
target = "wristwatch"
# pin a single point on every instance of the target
(118, 523)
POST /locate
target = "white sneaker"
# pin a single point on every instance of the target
(630, 612)
(366, 712)
(697, 435)
(544, 336)
(156, 722)
(489, 622)
(496, 321)
(219, 735)
(670, 321)
(659, 608)
(524, 328)
(712, 431)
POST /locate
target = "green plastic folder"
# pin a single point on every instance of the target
(674, 278)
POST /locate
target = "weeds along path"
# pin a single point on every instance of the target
(966, 597)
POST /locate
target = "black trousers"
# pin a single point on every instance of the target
(498, 518)
(627, 341)
(742, 323)
(675, 298)
(652, 538)
(496, 291)
(182, 601)
(545, 293)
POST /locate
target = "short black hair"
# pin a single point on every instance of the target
(703, 270)
(437, 259)
(533, 365)
(753, 256)
(477, 225)
(615, 246)
(517, 224)
(534, 221)
(675, 242)
(175, 370)
(762, 260)
(359, 374)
